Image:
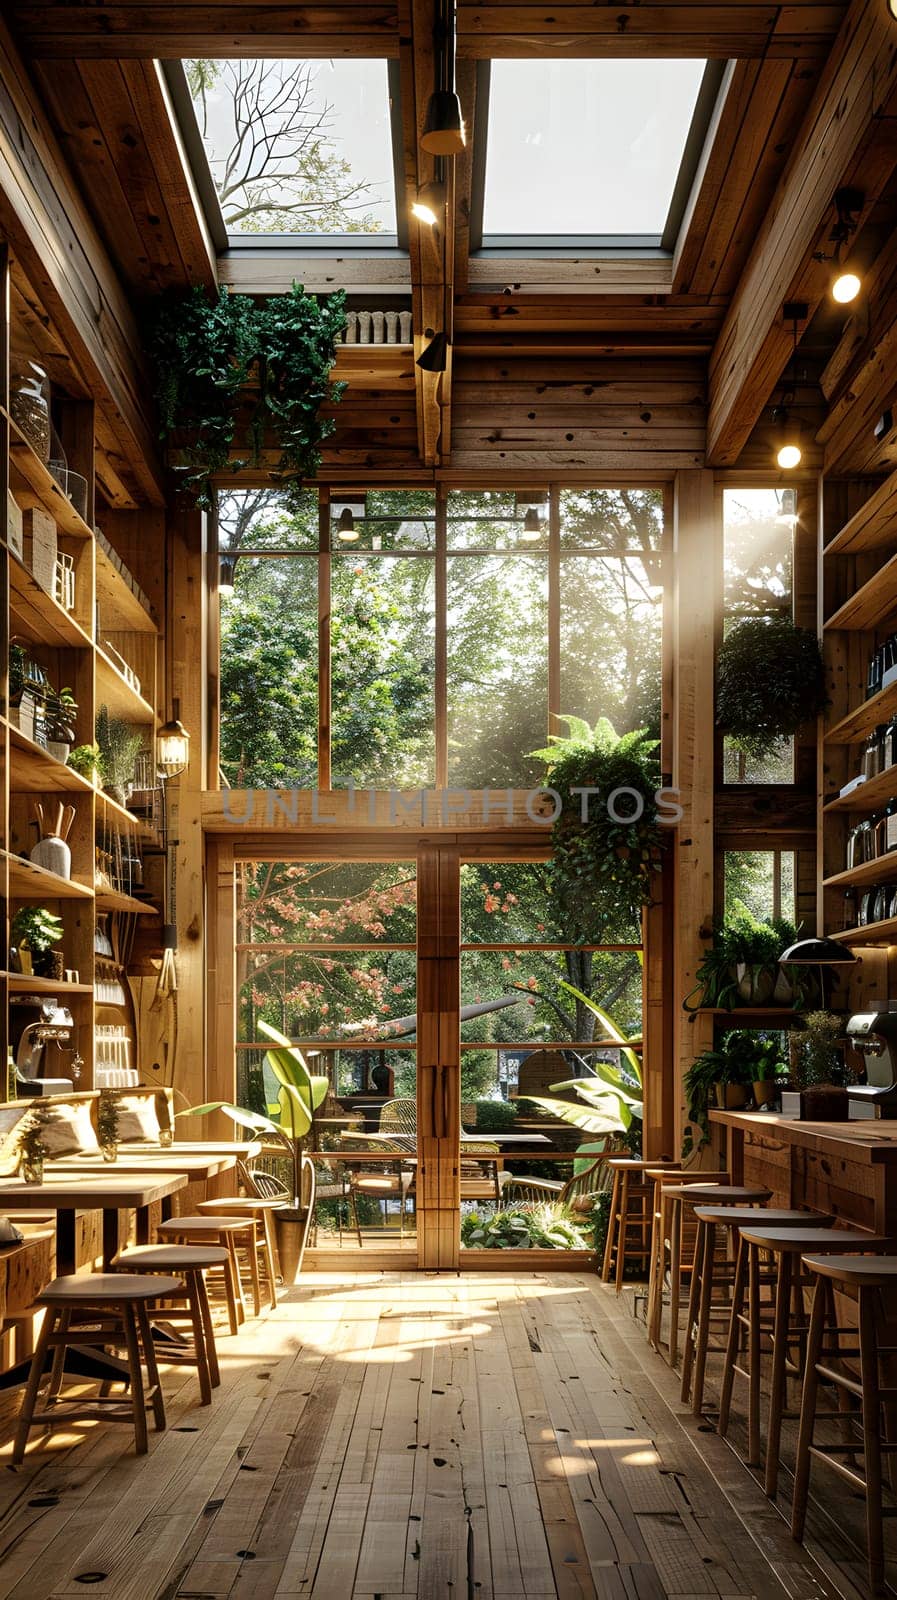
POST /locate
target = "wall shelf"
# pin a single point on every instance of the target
(870, 795)
(884, 870)
(34, 482)
(19, 983)
(884, 933)
(36, 616)
(872, 527)
(871, 604)
(27, 880)
(119, 608)
(115, 692)
(34, 771)
(864, 718)
(116, 900)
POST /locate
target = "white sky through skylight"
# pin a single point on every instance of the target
(297, 146)
(586, 147)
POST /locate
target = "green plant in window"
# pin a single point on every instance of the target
(213, 358)
(770, 681)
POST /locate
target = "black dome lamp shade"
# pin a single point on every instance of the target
(817, 952)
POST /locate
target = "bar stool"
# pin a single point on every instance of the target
(663, 1177)
(629, 1220)
(189, 1262)
(674, 1203)
(223, 1231)
(785, 1246)
(874, 1283)
(261, 1209)
(712, 1273)
(100, 1309)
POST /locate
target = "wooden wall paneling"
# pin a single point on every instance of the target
(853, 100)
(218, 1081)
(659, 1009)
(696, 588)
(438, 1058)
(466, 86)
(4, 643)
(171, 32)
(858, 380)
(185, 680)
(60, 250)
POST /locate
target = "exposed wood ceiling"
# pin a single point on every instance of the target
(807, 103)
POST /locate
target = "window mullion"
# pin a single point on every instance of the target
(324, 613)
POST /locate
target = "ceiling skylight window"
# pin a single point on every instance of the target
(589, 149)
(297, 147)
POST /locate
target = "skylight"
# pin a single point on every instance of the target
(586, 148)
(297, 147)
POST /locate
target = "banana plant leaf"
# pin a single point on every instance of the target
(613, 1031)
(605, 1082)
(301, 1093)
(614, 1117)
(253, 1121)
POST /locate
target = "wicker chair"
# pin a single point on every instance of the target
(480, 1178)
(578, 1192)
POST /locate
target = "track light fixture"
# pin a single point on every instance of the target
(227, 571)
(430, 203)
(846, 282)
(434, 358)
(443, 133)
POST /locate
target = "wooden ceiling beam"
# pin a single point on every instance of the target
(860, 378)
(62, 257)
(752, 28)
(849, 134)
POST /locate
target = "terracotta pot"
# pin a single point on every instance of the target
(764, 1091)
(290, 1227)
(730, 1096)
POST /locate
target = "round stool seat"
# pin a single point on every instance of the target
(110, 1286)
(794, 1241)
(243, 1202)
(746, 1216)
(723, 1193)
(877, 1273)
(176, 1225)
(158, 1257)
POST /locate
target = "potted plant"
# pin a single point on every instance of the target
(603, 864)
(212, 354)
(87, 759)
(23, 691)
(741, 966)
(62, 709)
(120, 745)
(715, 1077)
(818, 1072)
(35, 931)
(770, 681)
(107, 1124)
(759, 1058)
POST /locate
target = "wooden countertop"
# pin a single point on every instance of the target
(873, 1142)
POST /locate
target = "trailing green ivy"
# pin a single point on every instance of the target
(605, 844)
(770, 680)
(214, 357)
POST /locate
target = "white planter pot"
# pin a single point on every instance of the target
(54, 855)
(59, 750)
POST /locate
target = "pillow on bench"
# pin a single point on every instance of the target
(138, 1120)
(68, 1130)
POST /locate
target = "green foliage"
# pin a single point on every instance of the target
(815, 1056)
(31, 1134)
(770, 681)
(742, 939)
(300, 1093)
(62, 709)
(745, 1056)
(86, 759)
(120, 745)
(36, 928)
(603, 869)
(495, 1116)
(545, 1227)
(207, 353)
(107, 1118)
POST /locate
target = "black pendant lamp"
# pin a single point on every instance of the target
(444, 133)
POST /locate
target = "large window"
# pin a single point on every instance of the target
(758, 560)
(395, 638)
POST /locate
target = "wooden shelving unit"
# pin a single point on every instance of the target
(111, 621)
(868, 797)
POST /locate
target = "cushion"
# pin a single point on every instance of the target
(68, 1130)
(10, 1117)
(138, 1120)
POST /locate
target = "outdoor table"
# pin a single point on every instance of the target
(466, 1138)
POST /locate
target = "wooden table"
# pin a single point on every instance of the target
(107, 1191)
(198, 1168)
(847, 1168)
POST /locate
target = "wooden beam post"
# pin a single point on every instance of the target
(696, 536)
(438, 1058)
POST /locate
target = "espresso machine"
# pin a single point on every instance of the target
(36, 1023)
(874, 1035)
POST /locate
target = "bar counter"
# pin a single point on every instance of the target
(848, 1168)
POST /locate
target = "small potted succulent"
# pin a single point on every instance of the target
(87, 761)
(62, 709)
(35, 931)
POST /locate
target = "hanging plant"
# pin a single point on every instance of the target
(213, 357)
(603, 863)
(770, 680)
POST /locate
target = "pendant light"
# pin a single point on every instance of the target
(227, 571)
(173, 745)
(787, 428)
(345, 527)
(444, 133)
(434, 358)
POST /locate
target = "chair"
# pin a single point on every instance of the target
(382, 1179)
(479, 1169)
(100, 1309)
(189, 1262)
(578, 1192)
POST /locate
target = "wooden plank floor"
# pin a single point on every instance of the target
(495, 1434)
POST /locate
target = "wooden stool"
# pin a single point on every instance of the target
(118, 1303)
(261, 1209)
(874, 1283)
(629, 1218)
(674, 1245)
(663, 1177)
(785, 1246)
(189, 1262)
(711, 1273)
(223, 1231)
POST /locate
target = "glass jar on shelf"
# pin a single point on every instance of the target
(29, 405)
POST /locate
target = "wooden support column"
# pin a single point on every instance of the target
(185, 677)
(696, 544)
(438, 1058)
